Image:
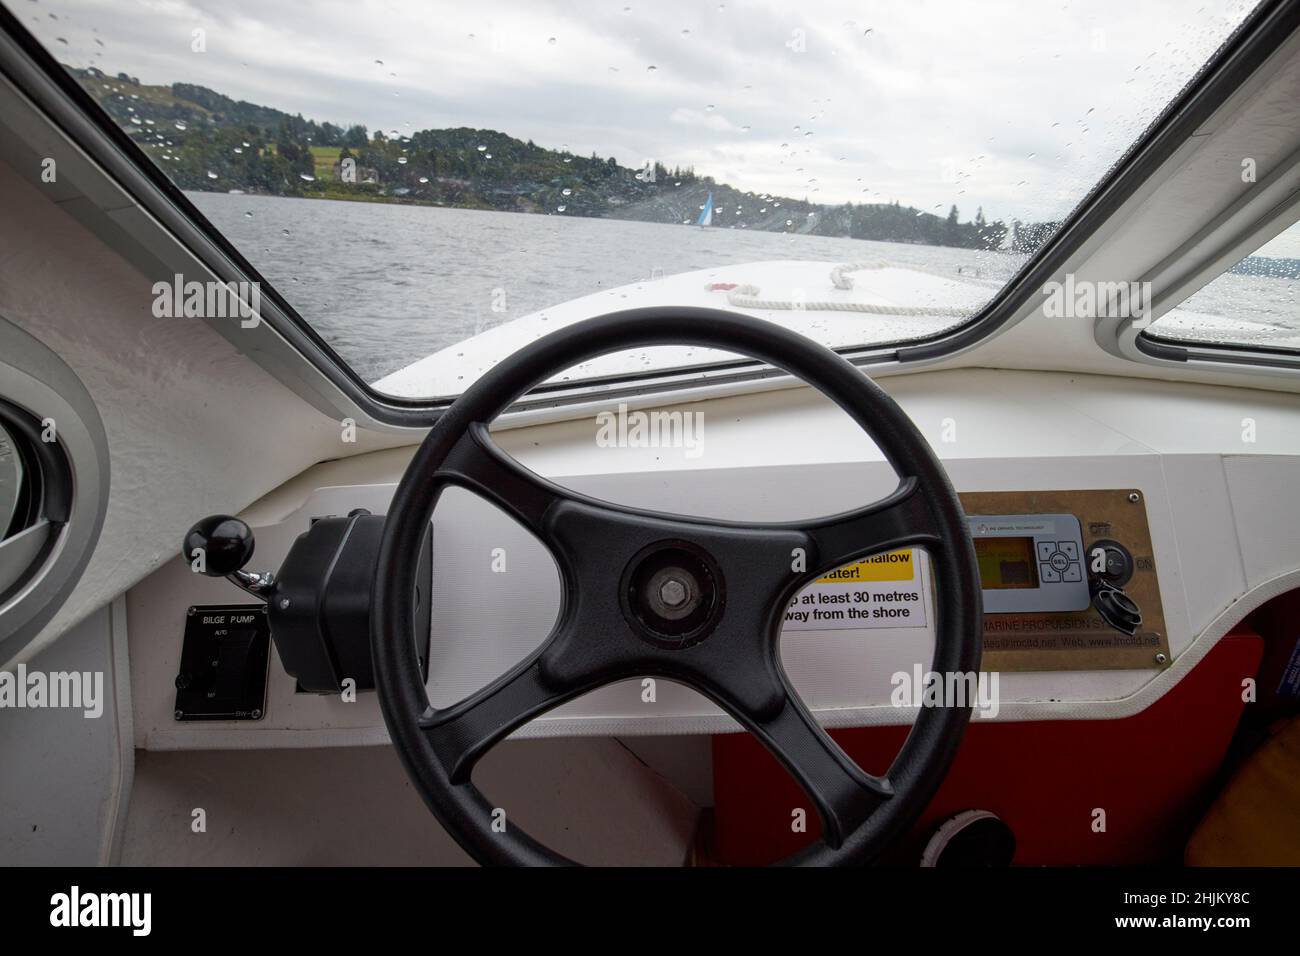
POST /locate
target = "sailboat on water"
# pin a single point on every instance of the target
(706, 217)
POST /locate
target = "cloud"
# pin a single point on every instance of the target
(704, 119)
(1018, 107)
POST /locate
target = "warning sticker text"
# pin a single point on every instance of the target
(887, 590)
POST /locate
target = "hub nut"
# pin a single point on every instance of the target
(672, 592)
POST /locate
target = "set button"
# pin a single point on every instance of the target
(1058, 561)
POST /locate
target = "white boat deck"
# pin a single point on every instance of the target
(800, 295)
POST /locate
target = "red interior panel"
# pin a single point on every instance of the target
(1151, 773)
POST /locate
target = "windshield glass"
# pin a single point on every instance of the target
(431, 185)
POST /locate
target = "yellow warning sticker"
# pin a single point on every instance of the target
(893, 566)
(884, 591)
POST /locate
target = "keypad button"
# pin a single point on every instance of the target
(1045, 549)
(1070, 549)
(1059, 561)
(1049, 574)
(1072, 574)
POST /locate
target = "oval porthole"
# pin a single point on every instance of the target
(54, 482)
(35, 488)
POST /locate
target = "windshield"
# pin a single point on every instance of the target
(433, 185)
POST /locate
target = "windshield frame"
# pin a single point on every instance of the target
(62, 101)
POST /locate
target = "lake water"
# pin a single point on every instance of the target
(386, 285)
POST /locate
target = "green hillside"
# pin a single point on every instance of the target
(207, 141)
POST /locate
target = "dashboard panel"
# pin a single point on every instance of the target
(1204, 542)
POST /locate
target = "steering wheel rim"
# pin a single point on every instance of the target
(590, 539)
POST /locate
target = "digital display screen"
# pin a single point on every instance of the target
(1006, 563)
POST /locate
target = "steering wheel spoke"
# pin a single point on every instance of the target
(478, 465)
(462, 733)
(843, 795)
(901, 519)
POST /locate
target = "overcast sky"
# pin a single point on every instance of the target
(1014, 106)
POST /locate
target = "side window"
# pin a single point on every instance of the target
(1254, 305)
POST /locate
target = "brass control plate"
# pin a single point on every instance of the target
(1079, 640)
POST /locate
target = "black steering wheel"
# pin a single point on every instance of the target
(648, 594)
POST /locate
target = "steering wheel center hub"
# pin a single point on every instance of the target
(672, 594)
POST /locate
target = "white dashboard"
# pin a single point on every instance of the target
(1221, 542)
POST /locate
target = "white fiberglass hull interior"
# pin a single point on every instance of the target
(199, 419)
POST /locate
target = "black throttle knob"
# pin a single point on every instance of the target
(218, 545)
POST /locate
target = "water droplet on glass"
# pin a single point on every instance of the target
(181, 126)
(550, 41)
(566, 192)
(651, 68)
(424, 179)
(211, 174)
(482, 148)
(561, 208)
(305, 178)
(401, 160)
(248, 215)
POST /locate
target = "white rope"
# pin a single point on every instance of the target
(746, 296)
(839, 275)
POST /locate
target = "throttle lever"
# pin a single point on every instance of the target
(219, 546)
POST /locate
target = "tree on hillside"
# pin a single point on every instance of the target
(952, 229)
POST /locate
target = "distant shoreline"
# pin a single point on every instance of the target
(427, 204)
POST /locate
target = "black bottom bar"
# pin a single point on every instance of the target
(438, 907)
